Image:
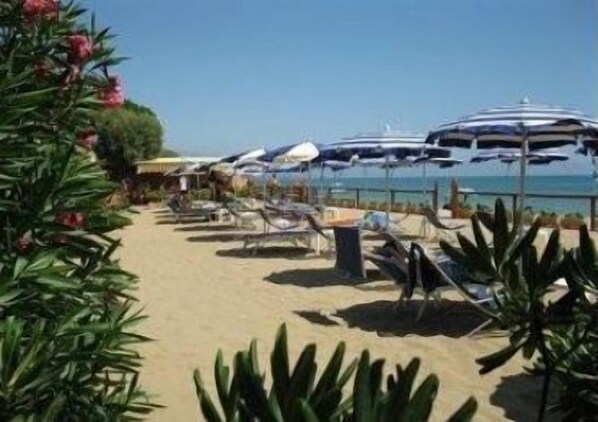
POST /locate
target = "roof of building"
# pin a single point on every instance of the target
(166, 164)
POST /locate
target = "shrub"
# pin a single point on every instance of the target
(398, 207)
(155, 196)
(572, 221)
(299, 395)
(200, 194)
(67, 328)
(548, 219)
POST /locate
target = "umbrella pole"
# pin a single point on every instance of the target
(522, 163)
(308, 195)
(321, 183)
(387, 190)
(424, 221)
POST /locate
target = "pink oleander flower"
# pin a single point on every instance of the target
(36, 9)
(72, 220)
(87, 139)
(80, 48)
(112, 95)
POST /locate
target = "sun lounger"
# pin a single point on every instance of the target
(277, 229)
(241, 215)
(432, 277)
(439, 227)
(179, 213)
(321, 232)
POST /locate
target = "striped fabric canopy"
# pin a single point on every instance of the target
(375, 145)
(295, 153)
(441, 162)
(541, 126)
(505, 156)
(244, 156)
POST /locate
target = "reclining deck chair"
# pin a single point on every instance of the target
(284, 230)
(433, 276)
(431, 217)
(179, 212)
(321, 232)
(242, 216)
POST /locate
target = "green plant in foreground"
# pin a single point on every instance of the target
(556, 328)
(299, 395)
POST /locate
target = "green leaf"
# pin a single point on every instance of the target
(586, 246)
(476, 258)
(279, 362)
(362, 397)
(479, 237)
(496, 359)
(420, 406)
(466, 412)
(206, 405)
(331, 373)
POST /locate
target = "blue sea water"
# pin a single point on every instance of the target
(571, 185)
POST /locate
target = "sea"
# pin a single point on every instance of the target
(570, 185)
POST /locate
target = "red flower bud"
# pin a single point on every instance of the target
(40, 9)
(73, 220)
(42, 69)
(80, 48)
(87, 139)
(112, 95)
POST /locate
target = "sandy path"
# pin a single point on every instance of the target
(201, 295)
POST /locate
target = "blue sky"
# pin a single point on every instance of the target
(229, 75)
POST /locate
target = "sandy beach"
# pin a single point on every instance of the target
(202, 292)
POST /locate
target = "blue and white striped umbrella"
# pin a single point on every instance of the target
(525, 126)
(251, 154)
(375, 145)
(537, 126)
(441, 162)
(534, 157)
(509, 157)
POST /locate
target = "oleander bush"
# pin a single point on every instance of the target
(299, 394)
(67, 325)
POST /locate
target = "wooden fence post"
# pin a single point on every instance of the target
(435, 197)
(392, 197)
(357, 197)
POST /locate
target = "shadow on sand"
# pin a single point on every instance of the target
(217, 237)
(379, 236)
(316, 317)
(519, 396)
(318, 277)
(182, 221)
(288, 252)
(207, 227)
(452, 319)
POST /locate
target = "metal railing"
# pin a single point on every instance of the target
(434, 192)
